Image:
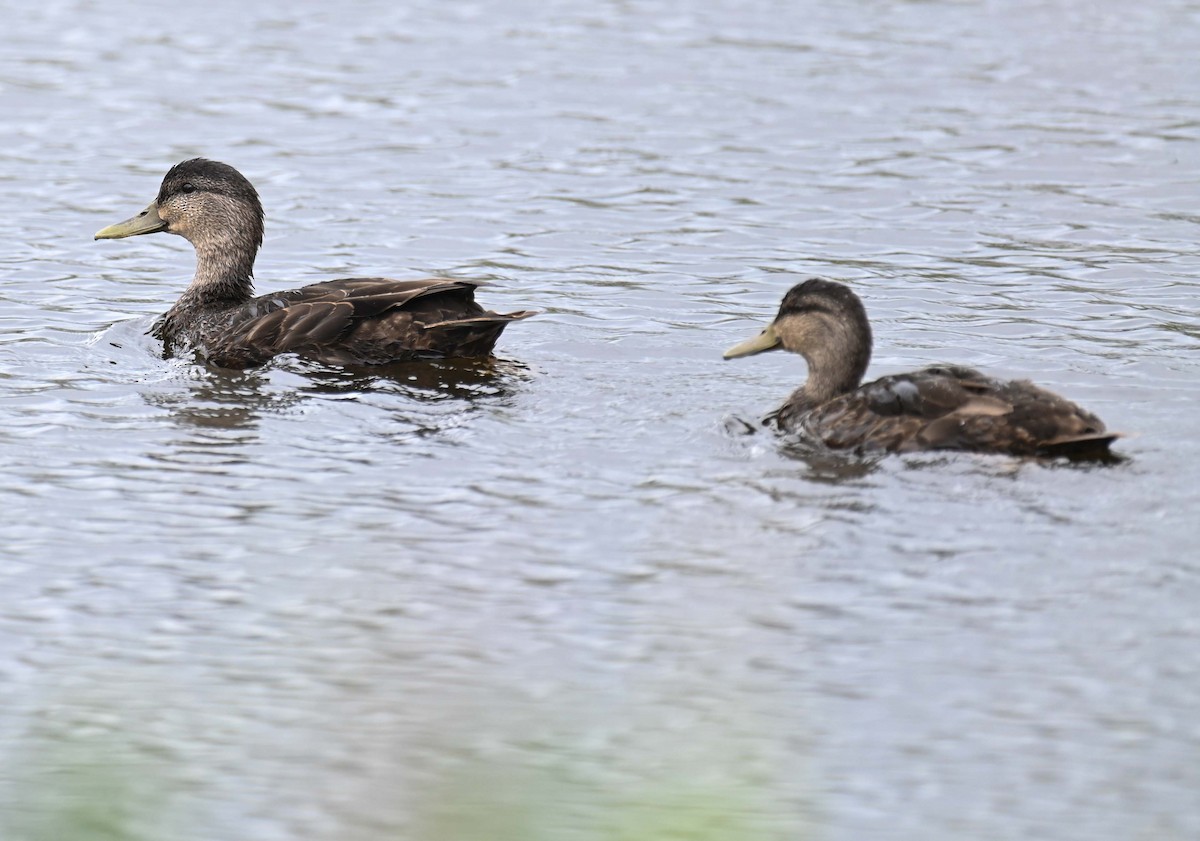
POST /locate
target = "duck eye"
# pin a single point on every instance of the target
(188, 187)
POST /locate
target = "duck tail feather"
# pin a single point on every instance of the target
(1091, 445)
(486, 318)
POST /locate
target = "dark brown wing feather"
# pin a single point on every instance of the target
(358, 321)
(952, 408)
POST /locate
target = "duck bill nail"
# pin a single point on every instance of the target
(764, 341)
(146, 222)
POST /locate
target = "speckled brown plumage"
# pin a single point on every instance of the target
(938, 408)
(352, 321)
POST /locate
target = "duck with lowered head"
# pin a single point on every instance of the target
(351, 321)
(945, 407)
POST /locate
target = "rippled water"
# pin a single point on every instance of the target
(563, 594)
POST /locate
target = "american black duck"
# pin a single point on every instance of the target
(352, 321)
(946, 407)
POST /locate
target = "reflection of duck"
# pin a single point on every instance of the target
(430, 381)
(939, 408)
(414, 398)
(362, 320)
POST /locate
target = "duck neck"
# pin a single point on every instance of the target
(836, 365)
(224, 274)
(831, 376)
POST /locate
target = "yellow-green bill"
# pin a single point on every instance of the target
(766, 340)
(146, 222)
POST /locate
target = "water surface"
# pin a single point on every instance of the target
(561, 594)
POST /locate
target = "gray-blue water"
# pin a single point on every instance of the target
(561, 596)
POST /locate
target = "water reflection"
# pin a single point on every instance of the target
(223, 399)
(424, 380)
(825, 465)
(219, 398)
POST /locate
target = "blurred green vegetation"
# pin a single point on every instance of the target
(106, 768)
(91, 790)
(87, 789)
(481, 805)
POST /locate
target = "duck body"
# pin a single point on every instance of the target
(948, 408)
(944, 407)
(350, 321)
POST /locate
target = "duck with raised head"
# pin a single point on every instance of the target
(351, 321)
(946, 407)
